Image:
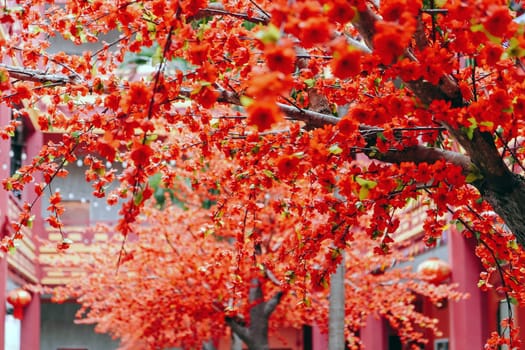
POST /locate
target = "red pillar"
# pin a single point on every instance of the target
(5, 145)
(468, 318)
(30, 332)
(319, 340)
(374, 334)
(3, 296)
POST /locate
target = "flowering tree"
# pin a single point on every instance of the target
(183, 281)
(292, 93)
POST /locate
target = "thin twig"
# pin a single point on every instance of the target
(260, 9)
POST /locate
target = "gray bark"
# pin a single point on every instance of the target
(208, 346)
(255, 335)
(236, 342)
(336, 318)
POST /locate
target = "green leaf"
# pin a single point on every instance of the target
(137, 199)
(30, 221)
(515, 49)
(363, 193)
(513, 245)
(269, 35)
(472, 177)
(246, 101)
(307, 302)
(489, 124)
(242, 175)
(459, 226)
(477, 28)
(290, 276)
(370, 184)
(4, 76)
(150, 138)
(269, 173)
(248, 25)
(469, 132)
(335, 149)
(310, 82)
(157, 56)
(481, 283)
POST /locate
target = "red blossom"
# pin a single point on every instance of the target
(206, 96)
(141, 154)
(390, 41)
(491, 53)
(199, 53)
(190, 7)
(263, 115)
(281, 58)
(341, 11)
(347, 126)
(139, 93)
(264, 86)
(499, 20)
(287, 165)
(314, 30)
(346, 63)
(23, 92)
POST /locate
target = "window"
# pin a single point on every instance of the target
(441, 344)
(17, 154)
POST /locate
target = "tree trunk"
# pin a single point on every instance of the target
(258, 320)
(255, 335)
(336, 320)
(208, 345)
(508, 203)
(236, 342)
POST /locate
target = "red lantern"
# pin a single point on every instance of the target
(434, 270)
(19, 298)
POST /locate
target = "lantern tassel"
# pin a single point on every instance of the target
(18, 312)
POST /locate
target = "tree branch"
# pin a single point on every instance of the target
(423, 154)
(447, 89)
(217, 9)
(365, 25)
(269, 274)
(311, 118)
(39, 76)
(240, 330)
(481, 148)
(271, 304)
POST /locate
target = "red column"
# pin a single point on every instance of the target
(468, 318)
(5, 117)
(30, 332)
(319, 340)
(374, 334)
(3, 296)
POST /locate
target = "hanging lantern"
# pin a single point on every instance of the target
(19, 298)
(434, 270)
